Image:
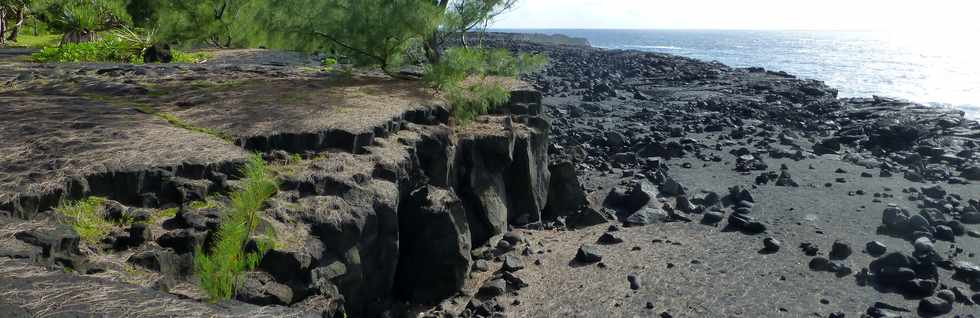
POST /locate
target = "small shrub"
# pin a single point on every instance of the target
(459, 64)
(476, 99)
(219, 268)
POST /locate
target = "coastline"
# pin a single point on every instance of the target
(636, 183)
(929, 81)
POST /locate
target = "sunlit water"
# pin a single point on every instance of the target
(935, 68)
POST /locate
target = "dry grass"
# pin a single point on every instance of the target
(274, 106)
(53, 294)
(48, 139)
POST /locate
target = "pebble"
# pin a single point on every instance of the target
(512, 263)
(875, 248)
(840, 250)
(610, 238)
(771, 244)
(634, 281)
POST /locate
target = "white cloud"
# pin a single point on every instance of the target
(744, 14)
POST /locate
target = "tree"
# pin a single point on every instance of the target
(18, 10)
(460, 17)
(371, 32)
(215, 22)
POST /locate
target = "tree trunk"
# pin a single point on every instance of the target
(16, 28)
(3, 24)
(432, 45)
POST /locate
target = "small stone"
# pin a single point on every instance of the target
(935, 306)
(946, 295)
(712, 217)
(820, 264)
(493, 288)
(875, 248)
(481, 265)
(840, 250)
(610, 238)
(649, 305)
(771, 244)
(634, 281)
(512, 263)
(588, 254)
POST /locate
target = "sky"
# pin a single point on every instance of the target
(745, 14)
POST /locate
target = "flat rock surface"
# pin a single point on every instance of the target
(49, 138)
(33, 291)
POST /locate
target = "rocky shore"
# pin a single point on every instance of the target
(614, 183)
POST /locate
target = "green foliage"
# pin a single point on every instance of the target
(136, 40)
(109, 49)
(87, 217)
(184, 57)
(371, 32)
(39, 41)
(460, 64)
(177, 122)
(219, 269)
(220, 23)
(79, 20)
(477, 99)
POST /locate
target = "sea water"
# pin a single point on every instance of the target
(935, 68)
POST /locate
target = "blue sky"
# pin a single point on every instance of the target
(744, 14)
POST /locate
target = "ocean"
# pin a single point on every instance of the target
(934, 68)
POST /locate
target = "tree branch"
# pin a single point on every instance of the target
(380, 60)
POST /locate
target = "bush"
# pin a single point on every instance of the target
(458, 64)
(219, 268)
(121, 46)
(109, 49)
(473, 98)
(476, 99)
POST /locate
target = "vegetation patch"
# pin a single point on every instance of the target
(471, 98)
(87, 217)
(177, 122)
(219, 266)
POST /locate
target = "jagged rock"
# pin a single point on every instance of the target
(647, 216)
(609, 238)
(588, 254)
(261, 289)
(785, 180)
(589, 217)
(565, 195)
(435, 245)
(971, 173)
(164, 261)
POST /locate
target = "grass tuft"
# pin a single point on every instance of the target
(87, 217)
(220, 266)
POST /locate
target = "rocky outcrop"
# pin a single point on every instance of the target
(434, 246)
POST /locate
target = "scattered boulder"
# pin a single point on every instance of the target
(588, 254)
